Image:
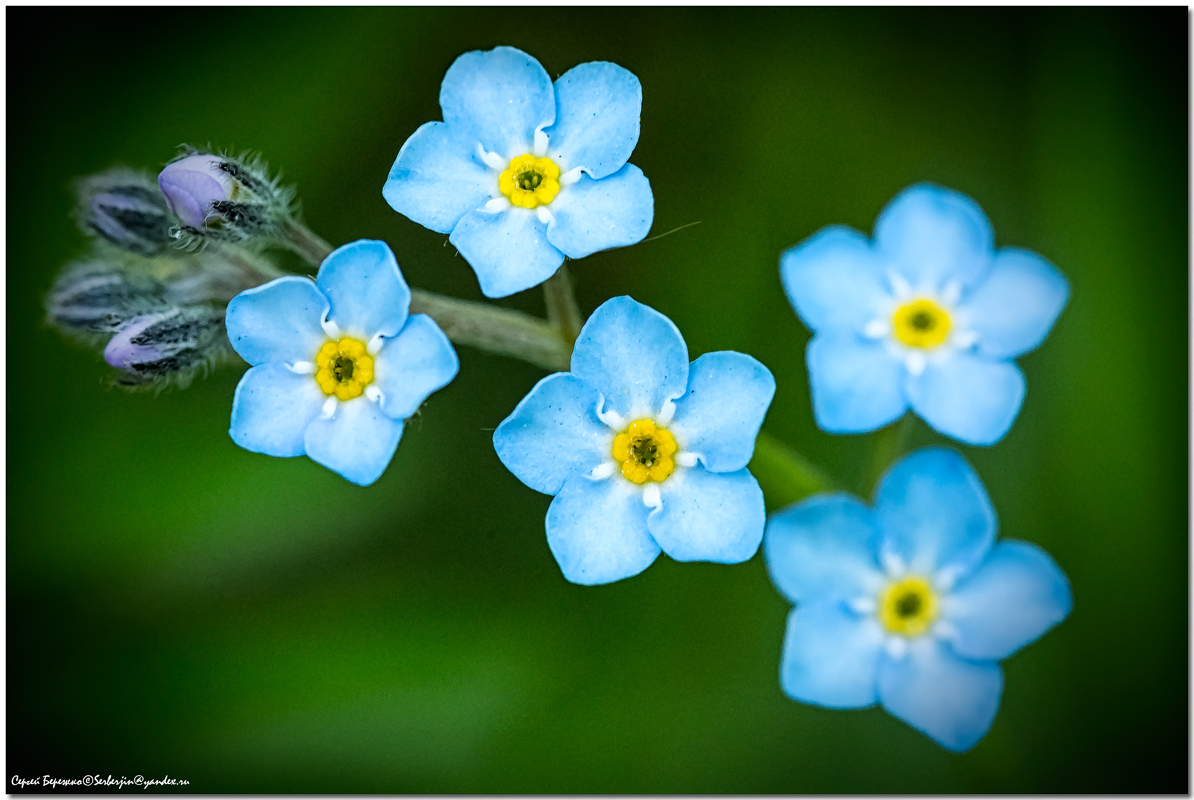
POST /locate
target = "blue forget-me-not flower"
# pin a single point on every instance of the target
(926, 315)
(522, 172)
(911, 603)
(338, 363)
(642, 450)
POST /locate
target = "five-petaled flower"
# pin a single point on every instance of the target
(642, 450)
(338, 363)
(911, 604)
(522, 172)
(927, 316)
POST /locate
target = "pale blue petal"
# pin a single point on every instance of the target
(856, 384)
(499, 98)
(412, 365)
(272, 408)
(931, 236)
(1017, 594)
(968, 397)
(1013, 310)
(594, 215)
(366, 290)
(508, 250)
(709, 516)
(597, 530)
(358, 442)
(554, 434)
(831, 656)
(720, 416)
(834, 281)
(825, 547)
(438, 177)
(933, 513)
(634, 356)
(278, 322)
(597, 117)
(950, 699)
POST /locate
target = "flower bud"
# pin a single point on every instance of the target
(98, 297)
(167, 345)
(223, 198)
(194, 184)
(126, 209)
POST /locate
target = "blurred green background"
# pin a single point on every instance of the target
(179, 605)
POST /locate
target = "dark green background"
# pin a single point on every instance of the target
(177, 605)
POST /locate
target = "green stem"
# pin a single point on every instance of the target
(309, 245)
(887, 444)
(784, 475)
(562, 310)
(546, 344)
(498, 330)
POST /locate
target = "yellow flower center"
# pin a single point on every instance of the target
(530, 182)
(921, 323)
(908, 606)
(645, 452)
(344, 368)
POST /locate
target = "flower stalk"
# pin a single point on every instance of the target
(562, 311)
(784, 475)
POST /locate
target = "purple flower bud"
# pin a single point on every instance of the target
(127, 348)
(130, 217)
(167, 346)
(192, 184)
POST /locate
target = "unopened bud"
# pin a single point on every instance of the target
(193, 185)
(126, 209)
(223, 198)
(97, 298)
(168, 345)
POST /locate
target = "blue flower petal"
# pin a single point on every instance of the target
(554, 434)
(272, 408)
(968, 397)
(834, 280)
(1015, 307)
(824, 548)
(499, 98)
(948, 698)
(597, 530)
(933, 513)
(594, 215)
(508, 250)
(597, 117)
(412, 365)
(438, 177)
(366, 290)
(856, 384)
(278, 322)
(831, 657)
(358, 442)
(709, 516)
(931, 236)
(1017, 594)
(720, 416)
(634, 356)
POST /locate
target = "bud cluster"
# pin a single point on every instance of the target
(146, 328)
(167, 256)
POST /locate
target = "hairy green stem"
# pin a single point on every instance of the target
(887, 444)
(784, 475)
(562, 310)
(309, 245)
(498, 330)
